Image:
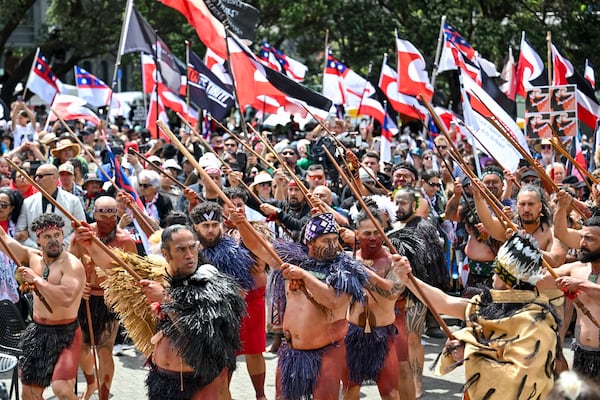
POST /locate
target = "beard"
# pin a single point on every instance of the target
(53, 253)
(585, 255)
(206, 242)
(403, 215)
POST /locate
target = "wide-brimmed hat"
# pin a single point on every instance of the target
(261, 177)
(49, 138)
(65, 144)
(538, 146)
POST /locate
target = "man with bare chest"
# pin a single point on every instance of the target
(321, 282)
(370, 343)
(582, 277)
(105, 322)
(190, 360)
(533, 216)
(51, 344)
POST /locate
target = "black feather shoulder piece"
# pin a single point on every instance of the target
(203, 320)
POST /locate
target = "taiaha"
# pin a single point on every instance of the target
(275, 260)
(503, 218)
(291, 173)
(12, 255)
(209, 148)
(75, 221)
(558, 146)
(389, 244)
(347, 152)
(165, 174)
(245, 145)
(540, 171)
(147, 226)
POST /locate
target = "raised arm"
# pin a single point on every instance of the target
(493, 224)
(570, 237)
(445, 304)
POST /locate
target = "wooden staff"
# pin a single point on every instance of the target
(291, 173)
(245, 145)
(517, 184)
(76, 222)
(503, 218)
(209, 148)
(340, 144)
(276, 261)
(558, 146)
(507, 222)
(163, 173)
(88, 313)
(12, 255)
(540, 171)
(147, 226)
(388, 243)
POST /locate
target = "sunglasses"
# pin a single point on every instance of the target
(5, 205)
(40, 176)
(545, 146)
(442, 146)
(145, 185)
(315, 177)
(288, 153)
(427, 158)
(265, 184)
(434, 184)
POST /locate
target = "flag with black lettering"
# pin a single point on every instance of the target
(206, 90)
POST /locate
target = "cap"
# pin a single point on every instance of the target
(170, 163)
(66, 167)
(319, 225)
(91, 177)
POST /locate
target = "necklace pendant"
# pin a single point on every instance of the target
(593, 278)
(368, 263)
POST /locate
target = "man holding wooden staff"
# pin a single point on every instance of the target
(51, 344)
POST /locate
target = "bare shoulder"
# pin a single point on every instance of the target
(73, 265)
(570, 268)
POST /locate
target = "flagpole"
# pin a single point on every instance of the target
(158, 71)
(550, 64)
(37, 53)
(364, 90)
(187, 78)
(124, 29)
(438, 51)
(233, 81)
(144, 84)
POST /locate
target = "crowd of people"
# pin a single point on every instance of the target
(347, 266)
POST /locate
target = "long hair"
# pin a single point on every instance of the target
(16, 200)
(545, 213)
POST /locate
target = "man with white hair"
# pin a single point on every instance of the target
(157, 205)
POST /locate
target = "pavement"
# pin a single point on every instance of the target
(128, 383)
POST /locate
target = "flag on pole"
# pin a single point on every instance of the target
(255, 81)
(589, 74)
(563, 73)
(344, 86)
(509, 72)
(531, 71)
(157, 111)
(280, 62)
(72, 107)
(91, 89)
(207, 91)
(412, 75)
(139, 36)
(405, 105)
(41, 80)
